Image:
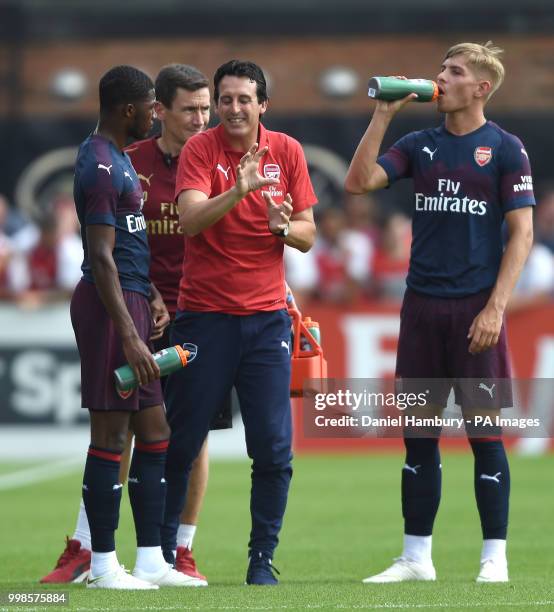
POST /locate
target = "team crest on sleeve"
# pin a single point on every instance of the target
(482, 155)
(272, 171)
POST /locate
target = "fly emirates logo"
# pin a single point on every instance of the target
(135, 223)
(447, 200)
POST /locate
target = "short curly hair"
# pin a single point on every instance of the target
(123, 85)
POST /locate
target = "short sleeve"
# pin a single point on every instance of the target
(194, 169)
(300, 184)
(101, 186)
(516, 181)
(397, 161)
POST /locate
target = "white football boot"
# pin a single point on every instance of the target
(493, 570)
(119, 579)
(403, 569)
(166, 576)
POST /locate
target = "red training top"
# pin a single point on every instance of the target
(236, 265)
(157, 172)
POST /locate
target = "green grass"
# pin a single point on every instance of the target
(343, 523)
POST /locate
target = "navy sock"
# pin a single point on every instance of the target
(102, 496)
(492, 487)
(177, 482)
(421, 485)
(147, 490)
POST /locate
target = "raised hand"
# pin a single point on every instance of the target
(278, 215)
(248, 177)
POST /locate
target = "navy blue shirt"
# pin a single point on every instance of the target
(107, 191)
(463, 187)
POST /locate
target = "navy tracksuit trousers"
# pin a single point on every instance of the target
(252, 353)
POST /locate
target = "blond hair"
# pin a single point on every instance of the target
(482, 58)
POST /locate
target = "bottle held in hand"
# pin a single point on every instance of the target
(169, 360)
(392, 88)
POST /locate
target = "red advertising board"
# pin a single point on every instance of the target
(361, 341)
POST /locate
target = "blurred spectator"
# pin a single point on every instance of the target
(53, 262)
(5, 258)
(392, 257)
(343, 257)
(13, 221)
(536, 283)
(301, 274)
(361, 214)
(21, 232)
(9, 271)
(544, 217)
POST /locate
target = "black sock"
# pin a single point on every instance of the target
(147, 490)
(492, 487)
(102, 496)
(421, 485)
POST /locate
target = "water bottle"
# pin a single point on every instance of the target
(313, 328)
(391, 88)
(169, 360)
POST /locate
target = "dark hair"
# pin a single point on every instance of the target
(242, 69)
(123, 85)
(173, 76)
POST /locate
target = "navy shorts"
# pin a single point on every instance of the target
(433, 344)
(101, 350)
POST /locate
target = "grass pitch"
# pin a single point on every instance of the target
(343, 523)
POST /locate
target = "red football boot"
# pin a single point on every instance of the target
(185, 563)
(72, 566)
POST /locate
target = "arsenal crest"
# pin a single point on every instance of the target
(272, 171)
(482, 155)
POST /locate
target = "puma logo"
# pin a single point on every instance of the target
(128, 176)
(429, 152)
(495, 477)
(106, 168)
(146, 179)
(489, 390)
(225, 172)
(410, 468)
(285, 345)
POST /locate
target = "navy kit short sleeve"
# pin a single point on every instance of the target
(463, 187)
(397, 162)
(107, 191)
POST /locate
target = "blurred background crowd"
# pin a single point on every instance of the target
(361, 253)
(317, 60)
